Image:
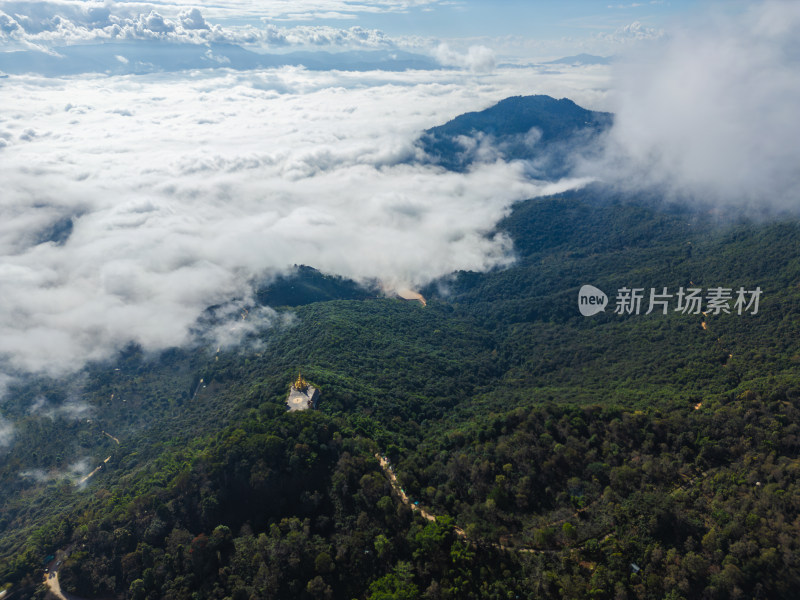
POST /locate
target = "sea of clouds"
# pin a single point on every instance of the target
(133, 203)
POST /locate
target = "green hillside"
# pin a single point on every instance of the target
(563, 456)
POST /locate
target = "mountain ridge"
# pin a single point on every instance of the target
(547, 133)
(123, 58)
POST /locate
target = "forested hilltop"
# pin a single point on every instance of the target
(541, 453)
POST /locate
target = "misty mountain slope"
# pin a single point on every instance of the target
(501, 406)
(548, 133)
(492, 360)
(388, 358)
(589, 237)
(305, 285)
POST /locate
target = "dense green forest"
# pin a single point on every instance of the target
(613, 456)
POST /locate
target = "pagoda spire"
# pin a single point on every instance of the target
(301, 384)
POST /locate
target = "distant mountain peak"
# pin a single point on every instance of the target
(137, 57)
(543, 130)
(582, 59)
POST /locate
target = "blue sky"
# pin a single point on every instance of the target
(544, 20)
(524, 29)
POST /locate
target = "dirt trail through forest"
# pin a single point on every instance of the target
(387, 468)
(389, 471)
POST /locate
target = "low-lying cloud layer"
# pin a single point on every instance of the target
(73, 408)
(76, 471)
(6, 433)
(711, 111)
(478, 59)
(131, 204)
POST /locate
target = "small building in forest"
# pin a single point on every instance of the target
(302, 395)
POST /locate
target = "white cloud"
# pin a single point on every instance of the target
(6, 432)
(629, 34)
(40, 475)
(239, 321)
(193, 19)
(73, 408)
(141, 201)
(478, 59)
(711, 110)
(218, 9)
(41, 25)
(44, 24)
(75, 471)
(322, 35)
(80, 468)
(47, 26)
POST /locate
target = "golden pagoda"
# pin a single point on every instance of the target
(302, 395)
(301, 385)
